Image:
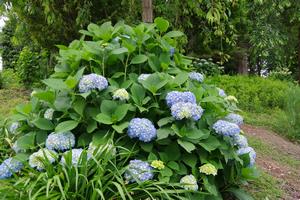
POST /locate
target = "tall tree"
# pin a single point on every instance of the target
(147, 13)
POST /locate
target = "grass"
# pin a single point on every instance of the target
(9, 98)
(265, 187)
(275, 120)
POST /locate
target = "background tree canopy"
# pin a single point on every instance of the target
(239, 34)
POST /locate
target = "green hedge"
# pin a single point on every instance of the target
(255, 94)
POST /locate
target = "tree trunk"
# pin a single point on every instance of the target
(299, 55)
(147, 11)
(242, 63)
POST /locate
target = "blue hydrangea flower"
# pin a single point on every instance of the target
(234, 118)
(92, 81)
(172, 51)
(188, 110)
(221, 92)
(226, 128)
(250, 151)
(189, 182)
(60, 141)
(14, 127)
(196, 76)
(143, 77)
(138, 170)
(76, 155)
(176, 97)
(8, 167)
(141, 128)
(240, 141)
(38, 159)
(49, 113)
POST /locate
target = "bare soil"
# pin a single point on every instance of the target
(290, 176)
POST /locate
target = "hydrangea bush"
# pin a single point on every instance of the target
(132, 86)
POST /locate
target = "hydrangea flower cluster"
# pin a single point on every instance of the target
(143, 77)
(121, 94)
(226, 128)
(38, 159)
(231, 98)
(92, 81)
(240, 141)
(138, 170)
(208, 169)
(196, 77)
(176, 97)
(141, 128)
(60, 141)
(14, 127)
(234, 118)
(188, 110)
(49, 113)
(250, 151)
(76, 154)
(189, 182)
(221, 93)
(158, 164)
(8, 167)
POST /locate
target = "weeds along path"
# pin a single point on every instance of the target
(277, 157)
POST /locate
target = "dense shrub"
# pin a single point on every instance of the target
(283, 74)
(292, 110)
(207, 67)
(254, 93)
(9, 78)
(174, 129)
(32, 66)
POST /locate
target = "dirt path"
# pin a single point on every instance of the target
(290, 176)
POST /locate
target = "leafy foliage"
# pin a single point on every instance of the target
(121, 53)
(254, 93)
(32, 66)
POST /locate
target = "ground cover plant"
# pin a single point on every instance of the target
(125, 117)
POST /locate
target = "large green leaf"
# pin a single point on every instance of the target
(173, 34)
(188, 146)
(79, 105)
(43, 124)
(119, 51)
(154, 82)
(104, 118)
(56, 84)
(137, 93)
(138, 59)
(66, 126)
(27, 141)
(163, 133)
(108, 107)
(121, 112)
(210, 144)
(47, 96)
(120, 128)
(161, 24)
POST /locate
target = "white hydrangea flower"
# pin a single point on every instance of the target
(49, 114)
(121, 94)
(37, 160)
